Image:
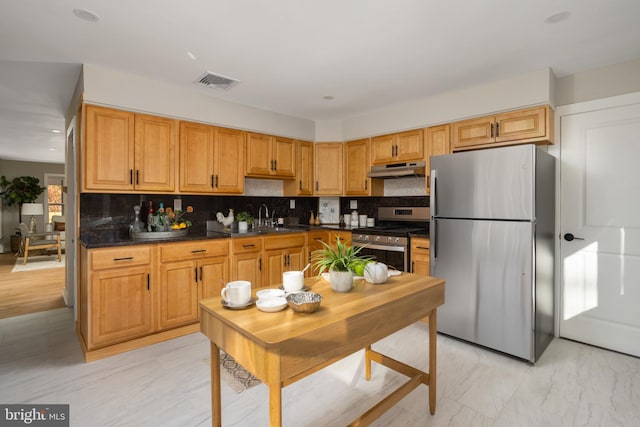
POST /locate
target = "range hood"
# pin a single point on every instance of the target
(398, 170)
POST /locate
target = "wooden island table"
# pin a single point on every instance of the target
(284, 347)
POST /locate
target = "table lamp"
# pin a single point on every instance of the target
(32, 209)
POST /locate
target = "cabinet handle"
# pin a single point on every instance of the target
(259, 264)
(127, 258)
(137, 176)
(195, 270)
(198, 251)
(249, 246)
(497, 130)
(316, 185)
(148, 283)
(289, 260)
(413, 266)
(212, 184)
(421, 247)
(217, 182)
(131, 176)
(366, 185)
(491, 130)
(200, 273)
(300, 184)
(275, 165)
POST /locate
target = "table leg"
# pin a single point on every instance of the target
(275, 390)
(216, 404)
(367, 363)
(432, 361)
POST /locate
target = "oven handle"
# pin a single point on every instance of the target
(380, 247)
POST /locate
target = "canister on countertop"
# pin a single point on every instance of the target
(371, 222)
(363, 220)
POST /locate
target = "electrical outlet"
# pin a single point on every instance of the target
(177, 204)
(292, 204)
(353, 204)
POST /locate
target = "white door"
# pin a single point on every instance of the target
(600, 207)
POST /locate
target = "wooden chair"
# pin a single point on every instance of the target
(36, 241)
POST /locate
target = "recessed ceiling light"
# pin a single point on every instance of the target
(557, 17)
(328, 97)
(56, 131)
(86, 15)
(191, 55)
(52, 149)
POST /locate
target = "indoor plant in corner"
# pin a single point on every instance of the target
(339, 261)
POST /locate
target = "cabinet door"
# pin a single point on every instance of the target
(409, 146)
(155, 153)
(212, 273)
(273, 267)
(420, 248)
(383, 149)
(296, 260)
(247, 266)
(178, 294)
(470, 133)
(521, 125)
(437, 143)
(258, 159)
(284, 156)
(196, 157)
(328, 169)
(108, 149)
(345, 237)
(357, 164)
(303, 184)
(420, 265)
(229, 161)
(119, 306)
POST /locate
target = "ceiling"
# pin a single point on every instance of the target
(289, 55)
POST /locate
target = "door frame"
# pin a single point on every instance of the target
(563, 111)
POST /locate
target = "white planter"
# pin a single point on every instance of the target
(341, 281)
(243, 226)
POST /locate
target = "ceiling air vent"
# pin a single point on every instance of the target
(217, 81)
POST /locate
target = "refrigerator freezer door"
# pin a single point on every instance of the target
(487, 266)
(485, 184)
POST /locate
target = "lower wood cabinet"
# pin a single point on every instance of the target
(115, 296)
(189, 272)
(246, 261)
(283, 253)
(420, 253)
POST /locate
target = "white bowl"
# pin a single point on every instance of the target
(271, 304)
(270, 293)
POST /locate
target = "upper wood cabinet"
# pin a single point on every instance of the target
(397, 147)
(124, 151)
(211, 159)
(438, 141)
(357, 163)
(270, 156)
(303, 184)
(328, 169)
(533, 125)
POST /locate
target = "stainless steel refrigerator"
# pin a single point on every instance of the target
(492, 240)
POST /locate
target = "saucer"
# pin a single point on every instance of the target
(225, 304)
(304, 289)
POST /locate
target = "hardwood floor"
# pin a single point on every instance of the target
(28, 291)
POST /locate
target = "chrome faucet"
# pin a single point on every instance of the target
(266, 212)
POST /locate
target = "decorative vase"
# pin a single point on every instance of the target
(341, 281)
(243, 226)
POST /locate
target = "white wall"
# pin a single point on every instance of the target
(131, 92)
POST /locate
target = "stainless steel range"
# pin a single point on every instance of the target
(389, 241)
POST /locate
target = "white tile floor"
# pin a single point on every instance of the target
(167, 384)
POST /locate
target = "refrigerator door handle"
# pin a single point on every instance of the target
(434, 193)
(434, 237)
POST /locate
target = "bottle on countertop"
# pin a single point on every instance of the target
(150, 217)
(312, 219)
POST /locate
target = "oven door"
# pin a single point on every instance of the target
(393, 256)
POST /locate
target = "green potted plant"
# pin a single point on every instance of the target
(244, 219)
(21, 189)
(340, 261)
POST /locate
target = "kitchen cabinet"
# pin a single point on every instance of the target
(189, 272)
(398, 147)
(303, 184)
(246, 261)
(115, 295)
(532, 125)
(345, 237)
(123, 151)
(438, 142)
(357, 163)
(328, 169)
(211, 159)
(419, 254)
(270, 156)
(314, 243)
(283, 253)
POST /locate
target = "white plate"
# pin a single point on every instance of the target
(271, 304)
(226, 304)
(270, 293)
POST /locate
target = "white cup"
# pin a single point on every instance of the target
(237, 292)
(292, 281)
